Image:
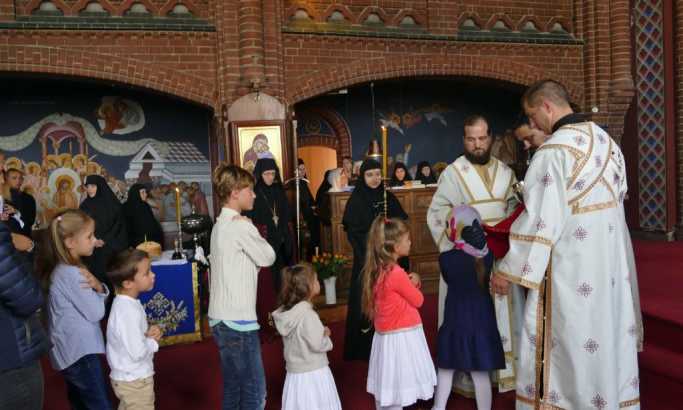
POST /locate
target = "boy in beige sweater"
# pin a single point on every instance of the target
(237, 252)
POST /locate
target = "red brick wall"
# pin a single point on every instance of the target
(443, 17)
(316, 64)
(158, 8)
(174, 62)
(6, 10)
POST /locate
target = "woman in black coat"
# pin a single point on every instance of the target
(140, 220)
(110, 227)
(365, 203)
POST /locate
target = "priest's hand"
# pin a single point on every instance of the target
(499, 284)
(99, 243)
(327, 332)
(415, 279)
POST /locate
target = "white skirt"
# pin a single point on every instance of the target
(401, 370)
(310, 390)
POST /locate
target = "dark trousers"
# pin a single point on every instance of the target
(86, 386)
(244, 380)
(22, 388)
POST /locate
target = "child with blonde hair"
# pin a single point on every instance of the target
(401, 369)
(309, 383)
(75, 307)
(237, 253)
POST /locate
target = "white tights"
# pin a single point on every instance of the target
(482, 389)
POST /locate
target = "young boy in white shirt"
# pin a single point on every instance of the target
(131, 342)
(237, 252)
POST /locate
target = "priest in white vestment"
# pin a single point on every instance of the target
(479, 180)
(570, 248)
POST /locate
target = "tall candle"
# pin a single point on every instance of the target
(385, 153)
(177, 204)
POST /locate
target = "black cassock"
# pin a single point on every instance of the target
(141, 223)
(364, 205)
(271, 214)
(110, 226)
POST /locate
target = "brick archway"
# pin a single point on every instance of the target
(363, 71)
(59, 61)
(340, 141)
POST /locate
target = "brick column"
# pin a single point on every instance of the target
(621, 87)
(251, 54)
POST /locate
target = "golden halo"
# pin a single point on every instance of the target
(66, 178)
(94, 168)
(14, 162)
(33, 168)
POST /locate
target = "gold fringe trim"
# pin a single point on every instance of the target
(577, 153)
(518, 280)
(629, 403)
(598, 179)
(531, 238)
(583, 161)
(576, 209)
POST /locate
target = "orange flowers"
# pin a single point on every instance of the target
(328, 264)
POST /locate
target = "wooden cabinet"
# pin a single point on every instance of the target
(424, 256)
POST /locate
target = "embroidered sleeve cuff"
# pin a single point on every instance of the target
(518, 280)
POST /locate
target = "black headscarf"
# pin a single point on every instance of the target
(366, 203)
(324, 187)
(394, 180)
(269, 198)
(322, 200)
(110, 225)
(419, 176)
(140, 219)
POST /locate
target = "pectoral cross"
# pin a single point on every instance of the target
(275, 219)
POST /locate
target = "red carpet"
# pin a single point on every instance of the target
(188, 376)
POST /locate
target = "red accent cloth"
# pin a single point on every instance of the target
(498, 235)
(396, 301)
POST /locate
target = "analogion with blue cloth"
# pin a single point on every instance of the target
(173, 303)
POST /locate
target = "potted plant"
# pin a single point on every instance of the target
(328, 265)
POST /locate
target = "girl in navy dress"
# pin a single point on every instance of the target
(468, 339)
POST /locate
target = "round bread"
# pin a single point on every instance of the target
(153, 249)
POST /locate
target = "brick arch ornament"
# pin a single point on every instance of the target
(332, 78)
(60, 61)
(341, 141)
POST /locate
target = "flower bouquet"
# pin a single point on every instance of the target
(328, 265)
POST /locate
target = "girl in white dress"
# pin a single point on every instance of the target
(309, 383)
(401, 370)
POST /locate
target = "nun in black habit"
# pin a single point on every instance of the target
(425, 173)
(365, 203)
(110, 227)
(140, 221)
(271, 215)
(322, 200)
(400, 175)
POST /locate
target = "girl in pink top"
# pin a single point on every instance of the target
(401, 370)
